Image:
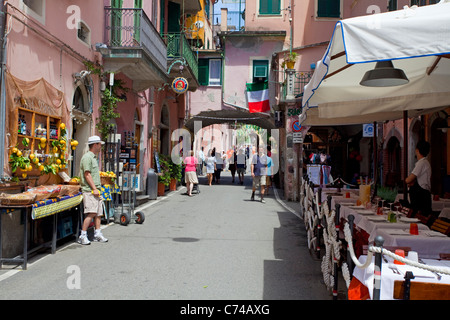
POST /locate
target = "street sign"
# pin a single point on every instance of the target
(296, 126)
(368, 130)
(297, 137)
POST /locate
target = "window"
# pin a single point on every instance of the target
(269, 6)
(35, 9)
(84, 33)
(210, 72)
(392, 5)
(260, 70)
(215, 71)
(328, 8)
(35, 5)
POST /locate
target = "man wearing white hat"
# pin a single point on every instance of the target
(90, 186)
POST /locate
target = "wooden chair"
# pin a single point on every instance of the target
(422, 290)
(444, 256)
(441, 226)
(426, 220)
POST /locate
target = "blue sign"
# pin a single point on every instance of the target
(296, 126)
(368, 130)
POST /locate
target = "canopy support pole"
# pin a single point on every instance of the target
(405, 154)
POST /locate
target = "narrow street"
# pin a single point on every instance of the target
(216, 245)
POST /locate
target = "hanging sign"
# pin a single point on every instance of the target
(180, 85)
(368, 130)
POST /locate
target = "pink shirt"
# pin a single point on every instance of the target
(190, 163)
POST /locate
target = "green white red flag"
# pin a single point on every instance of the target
(258, 97)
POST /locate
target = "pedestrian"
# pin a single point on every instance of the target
(241, 165)
(90, 186)
(190, 172)
(259, 171)
(419, 181)
(210, 166)
(219, 167)
(201, 161)
(232, 164)
(269, 174)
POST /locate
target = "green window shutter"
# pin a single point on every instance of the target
(328, 8)
(269, 6)
(203, 72)
(260, 70)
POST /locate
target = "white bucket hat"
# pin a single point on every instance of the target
(95, 139)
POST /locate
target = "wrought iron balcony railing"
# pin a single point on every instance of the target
(301, 78)
(131, 28)
(178, 48)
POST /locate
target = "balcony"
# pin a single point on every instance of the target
(293, 89)
(182, 61)
(135, 48)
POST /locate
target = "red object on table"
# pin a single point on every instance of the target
(357, 290)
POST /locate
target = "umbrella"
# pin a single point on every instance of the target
(416, 40)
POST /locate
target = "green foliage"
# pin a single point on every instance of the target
(387, 194)
(175, 170)
(164, 175)
(107, 113)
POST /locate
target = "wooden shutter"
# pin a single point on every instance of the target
(328, 8)
(269, 6)
(203, 72)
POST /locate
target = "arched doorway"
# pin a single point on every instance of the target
(393, 168)
(81, 124)
(438, 156)
(164, 130)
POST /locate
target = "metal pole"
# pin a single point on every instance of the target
(351, 219)
(405, 154)
(377, 271)
(335, 261)
(407, 289)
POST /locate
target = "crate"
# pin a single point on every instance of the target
(65, 227)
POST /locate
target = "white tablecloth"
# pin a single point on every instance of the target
(445, 213)
(365, 276)
(428, 243)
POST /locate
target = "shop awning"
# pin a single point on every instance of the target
(416, 40)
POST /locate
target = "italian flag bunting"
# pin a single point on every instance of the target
(258, 97)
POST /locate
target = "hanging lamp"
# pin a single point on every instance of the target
(384, 75)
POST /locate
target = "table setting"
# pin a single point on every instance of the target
(391, 270)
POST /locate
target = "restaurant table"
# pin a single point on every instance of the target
(428, 243)
(445, 213)
(361, 286)
(35, 211)
(369, 221)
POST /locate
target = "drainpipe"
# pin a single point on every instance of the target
(3, 42)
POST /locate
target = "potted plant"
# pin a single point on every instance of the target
(175, 175)
(164, 175)
(289, 60)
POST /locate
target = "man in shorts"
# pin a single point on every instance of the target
(90, 186)
(259, 172)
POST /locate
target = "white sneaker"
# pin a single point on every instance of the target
(100, 238)
(83, 240)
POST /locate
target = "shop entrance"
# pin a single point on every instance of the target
(81, 124)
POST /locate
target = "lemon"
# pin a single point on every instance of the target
(14, 150)
(32, 156)
(43, 141)
(19, 153)
(41, 167)
(58, 161)
(55, 149)
(24, 175)
(62, 126)
(29, 167)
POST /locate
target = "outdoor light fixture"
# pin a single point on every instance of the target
(384, 75)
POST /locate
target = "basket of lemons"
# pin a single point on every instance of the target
(107, 177)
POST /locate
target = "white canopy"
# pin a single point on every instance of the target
(416, 39)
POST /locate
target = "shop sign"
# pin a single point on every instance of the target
(180, 85)
(292, 112)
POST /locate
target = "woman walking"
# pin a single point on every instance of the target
(190, 172)
(210, 166)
